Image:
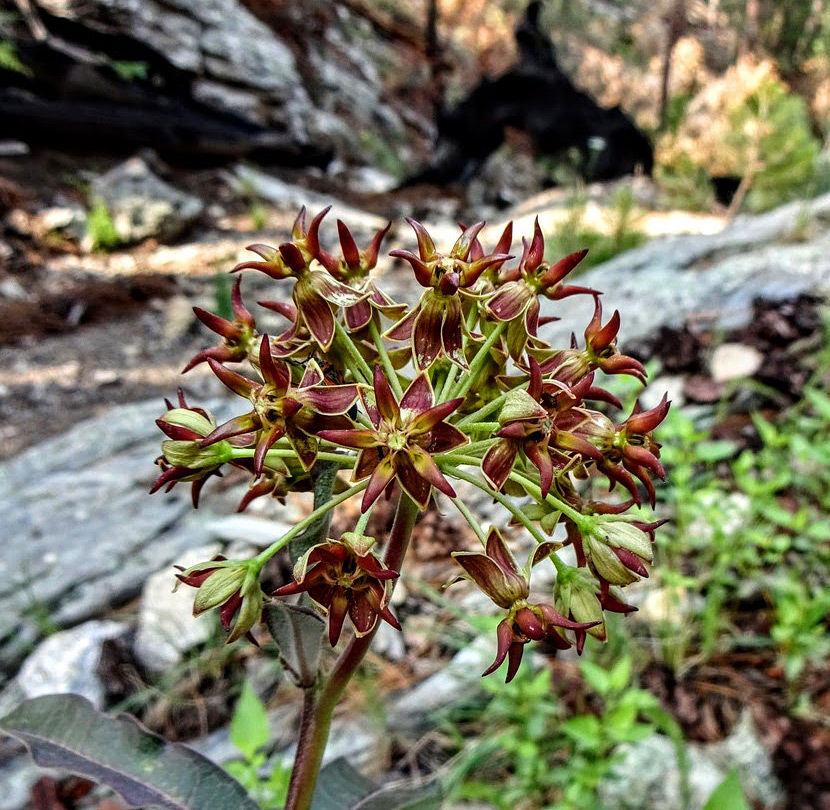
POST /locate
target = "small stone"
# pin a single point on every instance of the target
(734, 361)
(67, 662)
(144, 206)
(167, 628)
(105, 376)
(12, 289)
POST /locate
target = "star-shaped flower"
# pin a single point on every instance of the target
(403, 438)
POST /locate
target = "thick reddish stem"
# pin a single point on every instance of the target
(320, 701)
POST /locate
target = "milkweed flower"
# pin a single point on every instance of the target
(345, 578)
(498, 575)
(281, 409)
(316, 294)
(435, 324)
(402, 440)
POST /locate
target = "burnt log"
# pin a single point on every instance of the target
(537, 98)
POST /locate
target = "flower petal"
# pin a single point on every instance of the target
(426, 467)
(498, 462)
(402, 330)
(504, 636)
(426, 334)
(316, 313)
(432, 416)
(357, 438)
(335, 292)
(488, 576)
(236, 382)
(445, 437)
(510, 301)
(499, 552)
(419, 396)
(415, 485)
(328, 400)
(385, 400)
(451, 335)
(382, 475)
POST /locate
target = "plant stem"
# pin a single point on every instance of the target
(339, 458)
(479, 360)
(505, 502)
(471, 520)
(307, 521)
(385, 360)
(486, 410)
(320, 701)
(358, 366)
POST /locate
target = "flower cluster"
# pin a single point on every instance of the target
(405, 402)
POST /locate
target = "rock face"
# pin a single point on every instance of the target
(234, 62)
(167, 628)
(67, 662)
(708, 280)
(648, 774)
(85, 533)
(218, 41)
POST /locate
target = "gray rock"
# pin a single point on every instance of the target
(167, 628)
(709, 280)
(648, 774)
(86, 533)
(290, 197)
(219, 41)
(17, 778)
(143, 205)
(457, 681)
(744, 751)
(67, 662)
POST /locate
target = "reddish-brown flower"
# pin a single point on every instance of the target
(402, 440)
(183, 458)
(231, 586)
(353, 269)
(345, 578)
(629, 450)
(543, 423)
(316, 294)
(280, 409)
(435, 324)
(498, 575)
(517, 298)
(600, 352)
(238, 336)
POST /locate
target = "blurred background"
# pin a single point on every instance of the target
(686, 143)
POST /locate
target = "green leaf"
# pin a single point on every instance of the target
(341, 787)
(249, 726)
(298, 632)
(728, 795)
(596, 677)
(620, 674)
(584, 729)
(715, 450)
(65, 731)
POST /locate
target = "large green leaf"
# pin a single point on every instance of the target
(65, 731)
(341, 787)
